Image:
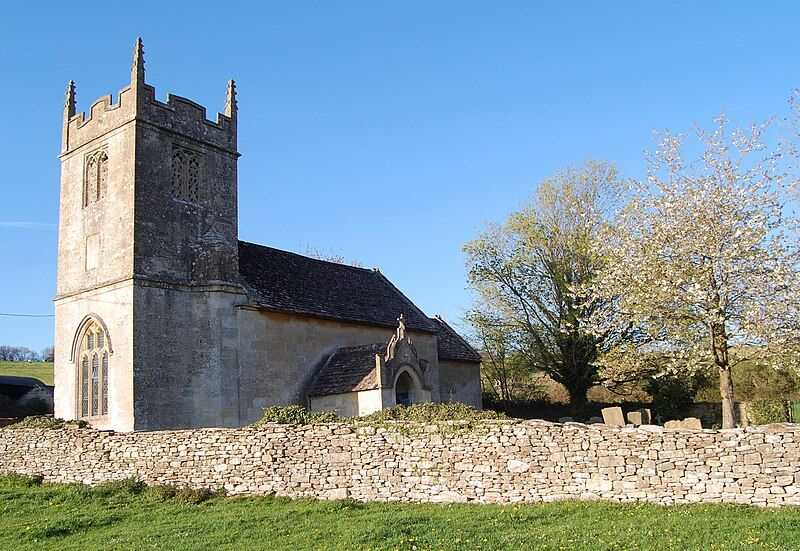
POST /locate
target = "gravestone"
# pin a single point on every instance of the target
(595, 419)
(565, 419)
(613, 416)
(635, 418)
(647, 418)
(692, 423)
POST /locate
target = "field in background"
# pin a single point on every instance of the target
(130, 516)
(39, 370)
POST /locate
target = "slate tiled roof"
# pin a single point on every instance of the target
(288, 282)
(452, 346)
(15, 387)
(16, 380)
(348, 370)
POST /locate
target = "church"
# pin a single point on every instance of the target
(164, 319)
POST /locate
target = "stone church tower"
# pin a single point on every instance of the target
(147, 261)
(164, 319)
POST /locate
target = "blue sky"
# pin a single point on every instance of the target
(387, 132)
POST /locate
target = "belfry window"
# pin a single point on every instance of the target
(95, 177)
(185, 174)
(93, 372)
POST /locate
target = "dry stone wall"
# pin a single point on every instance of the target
(490, 462)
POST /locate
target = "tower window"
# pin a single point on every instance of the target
(185, 174)
(93, 372)
(95, 178)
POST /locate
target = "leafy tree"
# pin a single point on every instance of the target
(503, 368)
(701, 258)
(526, 272)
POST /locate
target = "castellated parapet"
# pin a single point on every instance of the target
(137, 101)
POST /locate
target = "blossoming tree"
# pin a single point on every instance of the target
(701, 257)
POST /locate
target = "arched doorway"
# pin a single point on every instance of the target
(404, 389)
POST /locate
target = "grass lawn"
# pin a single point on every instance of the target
(128, 516)
(40, 370)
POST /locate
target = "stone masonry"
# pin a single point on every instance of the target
(164, 319)
(490, 462)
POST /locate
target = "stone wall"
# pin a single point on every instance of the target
(279, 353)
(497, 462)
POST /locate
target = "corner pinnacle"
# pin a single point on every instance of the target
(69, 103)
(231, 106)
(137, 71)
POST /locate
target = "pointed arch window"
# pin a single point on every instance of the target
(93, 372)
(95, 177)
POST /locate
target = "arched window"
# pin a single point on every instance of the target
(95, 179)
(404, 389)
(93, 372)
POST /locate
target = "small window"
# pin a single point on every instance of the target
(95, 177)
(185, 174)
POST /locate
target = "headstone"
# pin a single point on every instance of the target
(673, 425)
(566, 419)
(647, 418)
(613, 416)
(635, 418)
(595, 419)
(692, 423)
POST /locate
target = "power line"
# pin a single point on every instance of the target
(27, 315)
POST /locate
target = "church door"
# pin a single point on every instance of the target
(403, 389)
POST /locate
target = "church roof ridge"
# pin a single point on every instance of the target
(285, 281)
(284, 251)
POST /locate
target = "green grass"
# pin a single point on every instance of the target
(129, 516)
(40, 370)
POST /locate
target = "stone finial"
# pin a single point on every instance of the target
(69, 103)
(69, 112)
(137, 70)
(231, 106)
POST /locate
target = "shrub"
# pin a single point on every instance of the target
(35, 406)
(296, 415)
(14, 480)
(765, 412)
(126, 486)
(196, 495)
(46, 422)
(672, 395)
(163, 492)
(431, 412)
